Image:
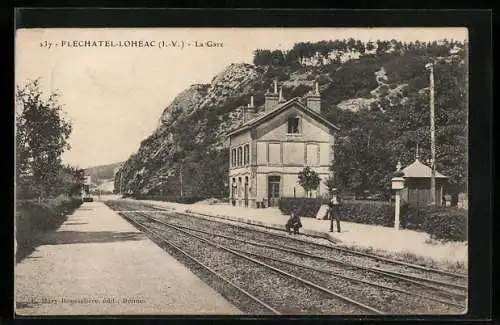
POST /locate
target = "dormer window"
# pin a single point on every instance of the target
(293, 125)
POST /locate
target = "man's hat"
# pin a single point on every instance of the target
(334, 190)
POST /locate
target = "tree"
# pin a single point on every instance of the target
(360, 47)
(277, 57)
(69, 181)
(382, 47)
(41, 137)
(309, 180)
(262, 57)
(331, 183)
(369, 143)
(370, 46)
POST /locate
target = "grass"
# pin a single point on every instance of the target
(451, 266)
(33, 219)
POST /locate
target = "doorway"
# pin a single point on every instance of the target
(273, 190)
(246, 192)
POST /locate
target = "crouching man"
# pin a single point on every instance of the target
(293, 223)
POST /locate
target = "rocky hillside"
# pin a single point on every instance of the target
(191, 137)
(102, 173)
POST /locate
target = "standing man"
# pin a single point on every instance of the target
(334, 209)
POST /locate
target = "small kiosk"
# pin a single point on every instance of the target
(417, 189)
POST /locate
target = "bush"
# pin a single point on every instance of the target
(368, 212)
(303, 207)
(440, 222)
(33, 218)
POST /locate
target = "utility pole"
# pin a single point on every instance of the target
(430, 67)
(180, 178)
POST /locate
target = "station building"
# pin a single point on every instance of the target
(270, 148)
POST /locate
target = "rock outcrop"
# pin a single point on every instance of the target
(191, 138)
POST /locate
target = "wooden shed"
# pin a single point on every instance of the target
(417, 189)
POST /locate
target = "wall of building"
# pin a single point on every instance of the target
(261, 153)
(237, 142)
(289, 181)
(277, 128)
(275, 152)
(240, 139)
(297, 154)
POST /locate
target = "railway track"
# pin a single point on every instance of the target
(432, 279)
(353, 272)
(349, 282)
(278, 292)
(250, 301)
(414, 268)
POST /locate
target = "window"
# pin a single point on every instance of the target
(246, 154)
(234, 187)
(240, 158)
(274, 153)
(233, 157)
(293, 125)
(312, 151)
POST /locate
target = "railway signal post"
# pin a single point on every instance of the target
(397, 185)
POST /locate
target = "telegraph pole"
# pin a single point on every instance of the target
(430, 67)
(180, 178)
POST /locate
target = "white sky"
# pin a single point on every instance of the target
(115, 96)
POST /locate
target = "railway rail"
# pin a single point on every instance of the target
(305, 298)
(329, 276)
(255, 303)
(452, 276)
(370, 261)
(357, 272)
(424, 276)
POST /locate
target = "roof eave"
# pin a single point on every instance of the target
(238, 130)
(318, 115)
(284, 105)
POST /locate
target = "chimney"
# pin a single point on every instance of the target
(249, 111)
(313, 100)
(271, 99)
(281, 99)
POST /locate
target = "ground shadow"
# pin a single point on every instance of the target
(74, 223)
(28, 244)
(80, 237)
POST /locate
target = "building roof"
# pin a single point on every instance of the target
(278, 109)
(418, 170)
